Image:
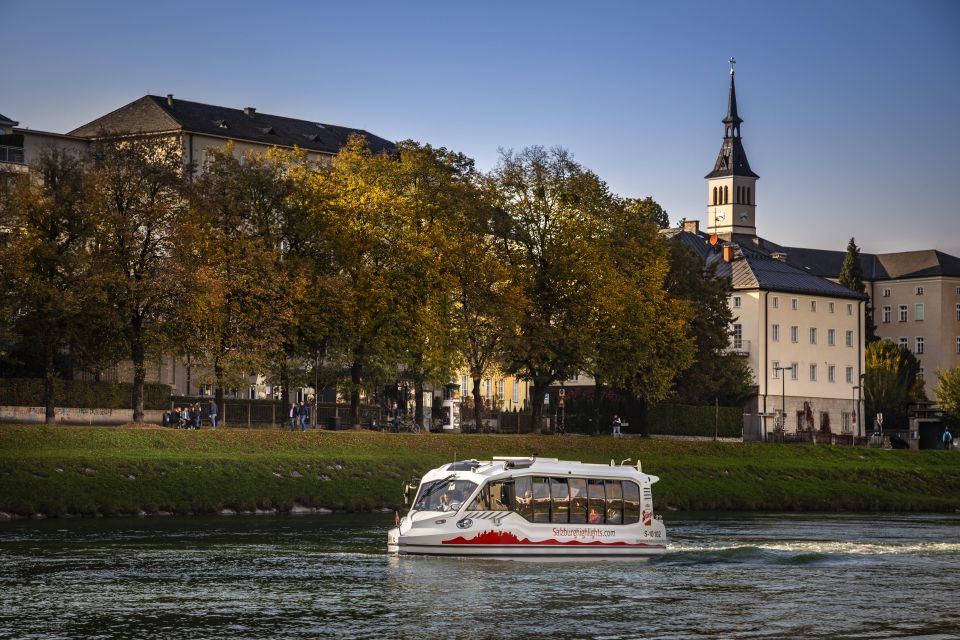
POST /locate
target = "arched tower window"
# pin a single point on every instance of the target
(739, 195)
(726, 194)
(749, 201)
(714, 195)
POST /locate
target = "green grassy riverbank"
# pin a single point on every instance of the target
(87, 471)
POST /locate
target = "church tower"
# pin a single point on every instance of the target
(731, 186)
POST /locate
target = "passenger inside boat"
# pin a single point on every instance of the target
(443, 495)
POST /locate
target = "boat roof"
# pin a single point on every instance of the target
(508, 466)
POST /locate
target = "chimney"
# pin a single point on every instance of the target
(250, 111)
(779, 255)
(729, 252)
(691, 226)
(170, 99)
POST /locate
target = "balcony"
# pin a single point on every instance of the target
(738, 347)
(13, 155)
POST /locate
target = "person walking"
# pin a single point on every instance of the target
(293, 414)
(213, 414)
(195, 416)
(304, 415)
(947, 439)
(395, 417)
(616, 426)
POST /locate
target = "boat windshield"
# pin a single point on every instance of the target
(448, 494)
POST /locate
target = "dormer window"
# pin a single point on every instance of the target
(222, 124)
(269, 131)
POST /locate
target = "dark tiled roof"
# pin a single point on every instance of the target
(153, 113)
(880, 266)
(7, 121)
(731, 161)
(753, 268)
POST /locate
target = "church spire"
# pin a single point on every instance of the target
(731, 186)
(732, 121)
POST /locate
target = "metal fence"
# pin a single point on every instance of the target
(241, 412)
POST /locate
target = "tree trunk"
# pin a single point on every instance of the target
(597, 396)
(477, 404)
(539, 389)
(218, 394)
(49, 375)
(356, 378)
(138, 353)
(285, 380)
(418, 401)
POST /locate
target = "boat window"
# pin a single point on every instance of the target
(631, 502)
(578, 500)
(524, 497)
(614, 502)
(494, 496)
(561, 499)
(443, 495)
(541, 500)
(595, 494)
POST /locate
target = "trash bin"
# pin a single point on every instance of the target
(333, 423)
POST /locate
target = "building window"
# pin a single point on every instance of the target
(848, 374)
(794, 334)
(726, 194)
(830, 307)
(824, 421)
(831, 337)
(903, 313)
(813, 373)
(904, 341)
(845, 422)
(918, 312)
(776, 304)
(464, 389)
(737, 336)
(516, 392)
(849, 338)
(958, 344)
(831, 373)
(737, 302)
(500, 390)
(919, 344)
(776, 332)
(958, 312)
(486, 388)
(776, 366)
(794, 371)
(887, 313)
(886, 293)
(813, 306)
(919, 291)
(793, 303)
(714, 195)
(813, 335)
(849, 309)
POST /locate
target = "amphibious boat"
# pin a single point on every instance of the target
(531, 506)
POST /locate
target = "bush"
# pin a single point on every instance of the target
(28, 392)
(688, 420)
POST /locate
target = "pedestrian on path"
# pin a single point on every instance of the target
(293, 414)
(616, 426)
(213, 414)
(947, 439)
(304, 415)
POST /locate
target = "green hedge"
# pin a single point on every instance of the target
(28, 392)
(688, 420)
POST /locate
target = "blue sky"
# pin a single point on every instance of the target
(851, 109)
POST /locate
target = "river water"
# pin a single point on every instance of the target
(727, 576)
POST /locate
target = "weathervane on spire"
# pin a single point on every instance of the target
(733, 61)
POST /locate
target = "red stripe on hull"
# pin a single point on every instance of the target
(507, 538)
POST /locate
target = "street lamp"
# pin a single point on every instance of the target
(783, 395)
(853, 399)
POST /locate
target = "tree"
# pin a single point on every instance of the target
(552, 209)
(648, 210)
(243, 300)
(889, 385)
(46, 261)
(948, 391)
(138, 202)
(713, 373)
(638, 336)
(367, 246)
(851, 276)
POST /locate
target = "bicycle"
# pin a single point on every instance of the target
(407, 423)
